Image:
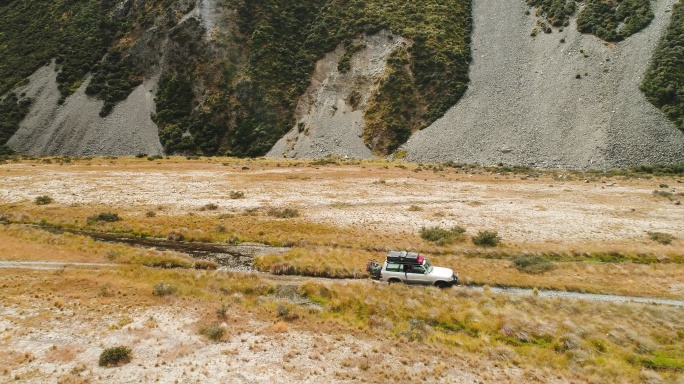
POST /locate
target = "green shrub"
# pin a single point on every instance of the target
(532, 264)
(114, 356)
(442, 236)
(213, 331)
(487, 239)
(661, 237)
(104, 216)
(43, 200)
(614, 21)
(283, 213)
(664, 78)
(162, 289)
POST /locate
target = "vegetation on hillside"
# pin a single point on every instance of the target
(13, 109)
(663, 83)
(82, 37)
(613, 20)
(609, 20)
(287, 37)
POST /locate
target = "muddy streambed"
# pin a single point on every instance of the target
(235, 257)
(240, 258)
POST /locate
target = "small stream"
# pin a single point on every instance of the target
(234, 257)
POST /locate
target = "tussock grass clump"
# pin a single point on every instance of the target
(115, 356)
(442, 236)
(283, 213)
(487, 239)
(213, 331)
(108, 217)
(286, 312)
(236, 195)
(209, 207)
(322, 261)
(163, 260)
(661, 237)
(44, 200)
(162, 289)
(532, 264)
(665, 194)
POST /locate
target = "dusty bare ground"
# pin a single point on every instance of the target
(51, 334)
(522, 209)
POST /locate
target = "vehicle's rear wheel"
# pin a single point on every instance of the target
(394, 281)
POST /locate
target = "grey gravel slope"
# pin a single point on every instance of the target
(526, 106)
(75, 127)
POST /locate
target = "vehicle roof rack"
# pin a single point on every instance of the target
(404, 257)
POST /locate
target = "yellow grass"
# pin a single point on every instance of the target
(573, 340)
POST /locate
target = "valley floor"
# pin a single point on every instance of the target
(597, 229)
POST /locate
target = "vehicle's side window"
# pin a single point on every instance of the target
(393, 267)
(417, 269)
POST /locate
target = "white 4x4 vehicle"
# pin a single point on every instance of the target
(411, 268)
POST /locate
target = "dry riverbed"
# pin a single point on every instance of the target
(56, 322)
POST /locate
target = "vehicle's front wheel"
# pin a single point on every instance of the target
(442, 284)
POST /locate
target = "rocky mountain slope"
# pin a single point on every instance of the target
(562, 99)
(549, 83)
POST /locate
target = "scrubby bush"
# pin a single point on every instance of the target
(661, 237)
(532, 264)
(103, 216)
(213, 331)
(440, 235)
(162, 289)
(487, 239)
(222, 311)
(286, 312)
(237, 194)
(114, 356)
(283, 213)
(209, 207)
(43, 200)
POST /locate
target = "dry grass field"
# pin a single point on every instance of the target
(601, 233)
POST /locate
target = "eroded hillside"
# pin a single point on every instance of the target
(552, 83)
